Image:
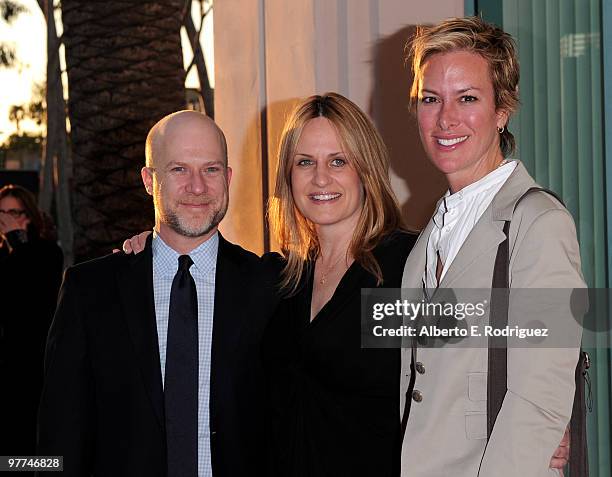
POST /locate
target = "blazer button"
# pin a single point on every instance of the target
(420, 367)
(417, 395)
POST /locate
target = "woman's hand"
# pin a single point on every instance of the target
(136, 244)
(561, 455)
(8, 223)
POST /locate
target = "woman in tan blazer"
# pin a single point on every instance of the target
(465, 89)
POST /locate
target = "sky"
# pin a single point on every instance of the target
(27, 34)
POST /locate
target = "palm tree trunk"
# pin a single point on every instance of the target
(125, 72)
(45, 194)
(55, 155)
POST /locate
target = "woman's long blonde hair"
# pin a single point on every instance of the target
(367, 154)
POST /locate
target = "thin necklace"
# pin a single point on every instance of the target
(324, 276)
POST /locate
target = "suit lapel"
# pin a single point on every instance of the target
(488, 232)
(231, 293)
(415, 263)
(486, 235)
(135, 282)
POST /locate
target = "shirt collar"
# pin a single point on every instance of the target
(204, 256)
(460, 198)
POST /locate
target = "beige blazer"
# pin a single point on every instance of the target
(446, 433)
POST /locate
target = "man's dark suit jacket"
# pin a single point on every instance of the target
(102, 405)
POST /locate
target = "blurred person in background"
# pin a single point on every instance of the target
(31, 265)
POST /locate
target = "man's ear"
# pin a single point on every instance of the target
(147, 179)
(229, 175)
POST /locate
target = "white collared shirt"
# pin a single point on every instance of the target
(456, 216)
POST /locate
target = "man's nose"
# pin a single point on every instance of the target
(197, 183)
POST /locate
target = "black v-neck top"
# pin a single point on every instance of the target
(334, 407)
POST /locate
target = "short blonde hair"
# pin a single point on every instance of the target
(475, 35)
(367, 154)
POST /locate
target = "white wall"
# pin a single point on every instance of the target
(271, 53)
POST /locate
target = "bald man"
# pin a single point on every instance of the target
(136, 382)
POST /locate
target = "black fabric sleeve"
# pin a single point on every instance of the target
(66, 412)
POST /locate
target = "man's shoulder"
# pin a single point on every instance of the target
(99, 268)
(265, 270)
(236, 253)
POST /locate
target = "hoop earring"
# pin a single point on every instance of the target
(501, 130)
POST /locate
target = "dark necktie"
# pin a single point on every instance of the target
(181, 378)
